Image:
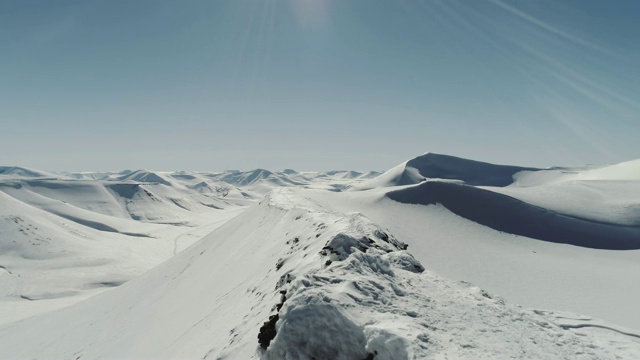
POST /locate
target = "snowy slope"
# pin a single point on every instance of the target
(62, 240)
(438, 166)
(597, 207)
(342, 288)
(22, 172)
(114, 225)
(238, 186)
(259, 182)
(312, 271)
(523, 270)
(513, 216)
(145, 176)
(609, 194)
(442, 219)
(629, 170)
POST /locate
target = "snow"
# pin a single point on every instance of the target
(605, 201)
(438, 166)
(629, 170)
(508, 214)
(22, 172)
(146, 176)
(117, 265)
(64, 240)
(525, 271)
(372, 299)
(608, 194)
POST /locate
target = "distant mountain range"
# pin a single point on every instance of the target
(325, 265)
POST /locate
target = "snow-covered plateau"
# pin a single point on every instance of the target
(437, 258)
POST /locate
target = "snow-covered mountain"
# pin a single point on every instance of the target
(114, 225)
(445, 167)
(324, 265)
(16, 171)
(546, 240)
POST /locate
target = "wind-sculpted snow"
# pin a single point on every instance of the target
(437, 166)
(469, 171)
(504, 213)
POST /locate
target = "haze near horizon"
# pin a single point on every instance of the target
(316, 84)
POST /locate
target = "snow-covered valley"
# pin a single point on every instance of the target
(437, 258)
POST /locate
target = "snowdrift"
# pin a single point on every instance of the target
(507, 214)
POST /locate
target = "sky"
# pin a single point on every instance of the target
(316, 84)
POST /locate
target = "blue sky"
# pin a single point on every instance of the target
(316, 84)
